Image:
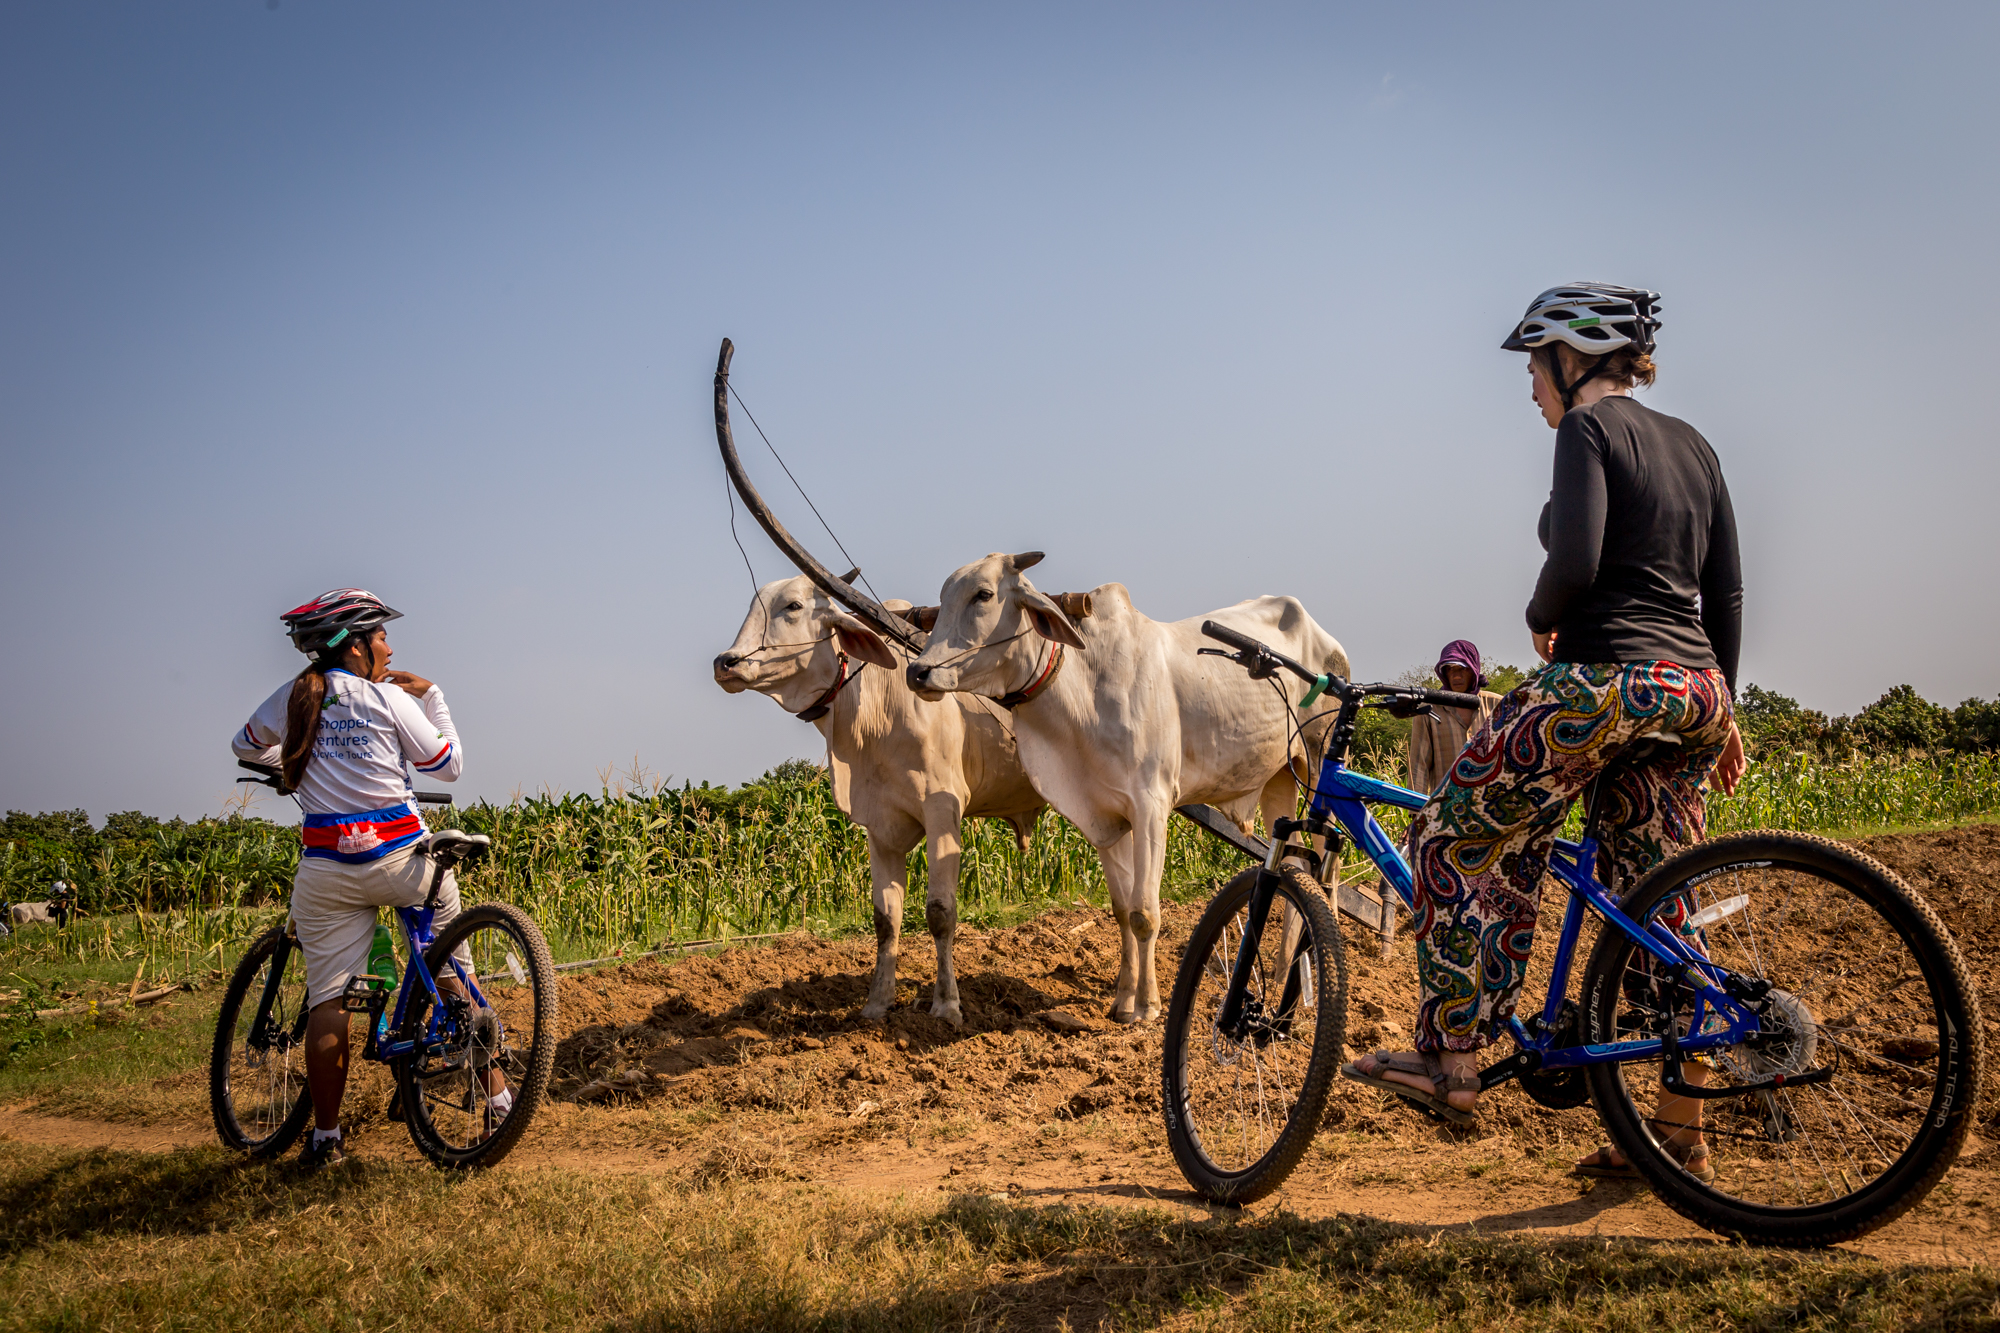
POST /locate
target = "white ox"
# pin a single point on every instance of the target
(904, 769)
(1128, 723)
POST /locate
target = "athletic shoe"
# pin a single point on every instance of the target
(322, 1153)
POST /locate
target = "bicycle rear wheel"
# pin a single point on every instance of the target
(256, 1068)
(509, 1044)
(1240, 1113)
(1865, 981)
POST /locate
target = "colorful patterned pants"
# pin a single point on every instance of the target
(1481, 845)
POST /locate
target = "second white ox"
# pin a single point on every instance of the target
(904, 769)
(1118, 721)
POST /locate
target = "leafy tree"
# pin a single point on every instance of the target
(1975, 725)
(1901, 720)
(63, 827)
(1771, 721)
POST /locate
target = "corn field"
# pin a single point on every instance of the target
(641, 863)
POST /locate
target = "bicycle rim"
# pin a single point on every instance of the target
(1241, 1112)
(1864, 982)
(257, 1068)
(507, 1044)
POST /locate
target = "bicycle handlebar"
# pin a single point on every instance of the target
(1263, 661)
(1261, 658)
(274, 778)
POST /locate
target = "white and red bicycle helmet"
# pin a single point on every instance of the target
(328, 619)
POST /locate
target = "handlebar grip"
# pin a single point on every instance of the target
(433, 797)
(266, 769)
(1224, 634)
(1449, 699)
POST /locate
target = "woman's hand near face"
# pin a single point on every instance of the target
(1729, 769)
(1545, 646)
(417, 686)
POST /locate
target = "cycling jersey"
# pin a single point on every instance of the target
(356, 791)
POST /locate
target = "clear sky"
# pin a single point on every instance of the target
(425, 297)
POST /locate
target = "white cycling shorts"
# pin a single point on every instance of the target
(334, 906)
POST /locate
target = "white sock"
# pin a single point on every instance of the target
(322, 1135)
(502, 1101)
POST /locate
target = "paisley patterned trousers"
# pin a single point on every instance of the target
(1481, 845)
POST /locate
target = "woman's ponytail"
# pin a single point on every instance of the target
(302, 722)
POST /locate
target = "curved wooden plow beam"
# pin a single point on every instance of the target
(884, 621)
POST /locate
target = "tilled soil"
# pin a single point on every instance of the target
(754, 1062)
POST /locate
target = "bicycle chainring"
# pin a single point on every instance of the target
(1560, 1089)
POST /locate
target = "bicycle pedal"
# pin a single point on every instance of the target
(363, 995)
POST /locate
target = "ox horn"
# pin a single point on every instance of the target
(1025, 560)
(851, 575)
(873, 613)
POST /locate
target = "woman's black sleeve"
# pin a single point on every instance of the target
(1575, 523)
(1722, 587)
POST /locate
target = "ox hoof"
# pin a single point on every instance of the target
(1133, 1016)
(875, 1011)
(950, 1013)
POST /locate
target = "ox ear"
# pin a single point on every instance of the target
(1025, 560)
(861, 643)
(1048, 618)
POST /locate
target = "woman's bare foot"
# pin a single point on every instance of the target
(1455, 1063)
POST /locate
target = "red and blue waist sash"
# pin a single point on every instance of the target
(361, 837)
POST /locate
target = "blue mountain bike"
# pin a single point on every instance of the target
(474, 1015)
(1807, 1005)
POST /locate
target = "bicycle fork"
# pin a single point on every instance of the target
(1232, 1021)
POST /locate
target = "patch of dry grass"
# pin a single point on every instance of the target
(199, 1239)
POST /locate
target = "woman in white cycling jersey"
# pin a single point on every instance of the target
(345, 733)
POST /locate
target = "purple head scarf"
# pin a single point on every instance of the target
(1464, 653)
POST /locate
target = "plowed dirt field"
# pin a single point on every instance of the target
(753, 1062)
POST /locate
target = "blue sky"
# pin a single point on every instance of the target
(1204, 300)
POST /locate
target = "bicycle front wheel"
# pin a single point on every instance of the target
(506, 1045)
(1853, 974)
(1241, 1111)
(257, 1069)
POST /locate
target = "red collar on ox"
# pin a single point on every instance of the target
(1038, 684)
(824, 704)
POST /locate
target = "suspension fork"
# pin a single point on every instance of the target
(260, 1026)
(1261, 894)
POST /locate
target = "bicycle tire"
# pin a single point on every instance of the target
(1836, 931)
(1196, 1093)
(527, 1073)
(287, 1102)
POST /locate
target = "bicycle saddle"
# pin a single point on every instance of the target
(448, 847)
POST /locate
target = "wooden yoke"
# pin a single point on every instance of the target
(879, 618)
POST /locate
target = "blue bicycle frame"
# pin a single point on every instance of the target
(419, 936)
(1343, 796)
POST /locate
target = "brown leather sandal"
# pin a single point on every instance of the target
(1693, 1159)
(1424, 1064)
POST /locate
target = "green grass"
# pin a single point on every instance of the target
(195, 1240)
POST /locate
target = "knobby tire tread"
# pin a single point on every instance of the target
(1938, 1146)
(221, 1103)
(528, 1093)
(1271, 1171)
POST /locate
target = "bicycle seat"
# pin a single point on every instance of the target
(448, 847)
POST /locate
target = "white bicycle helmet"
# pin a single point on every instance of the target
(1592, 317)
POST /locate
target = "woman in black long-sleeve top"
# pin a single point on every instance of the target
(1638, 614)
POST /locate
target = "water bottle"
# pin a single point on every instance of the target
(382, 966)
(382, 959)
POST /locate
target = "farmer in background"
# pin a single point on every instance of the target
(1436, 737)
